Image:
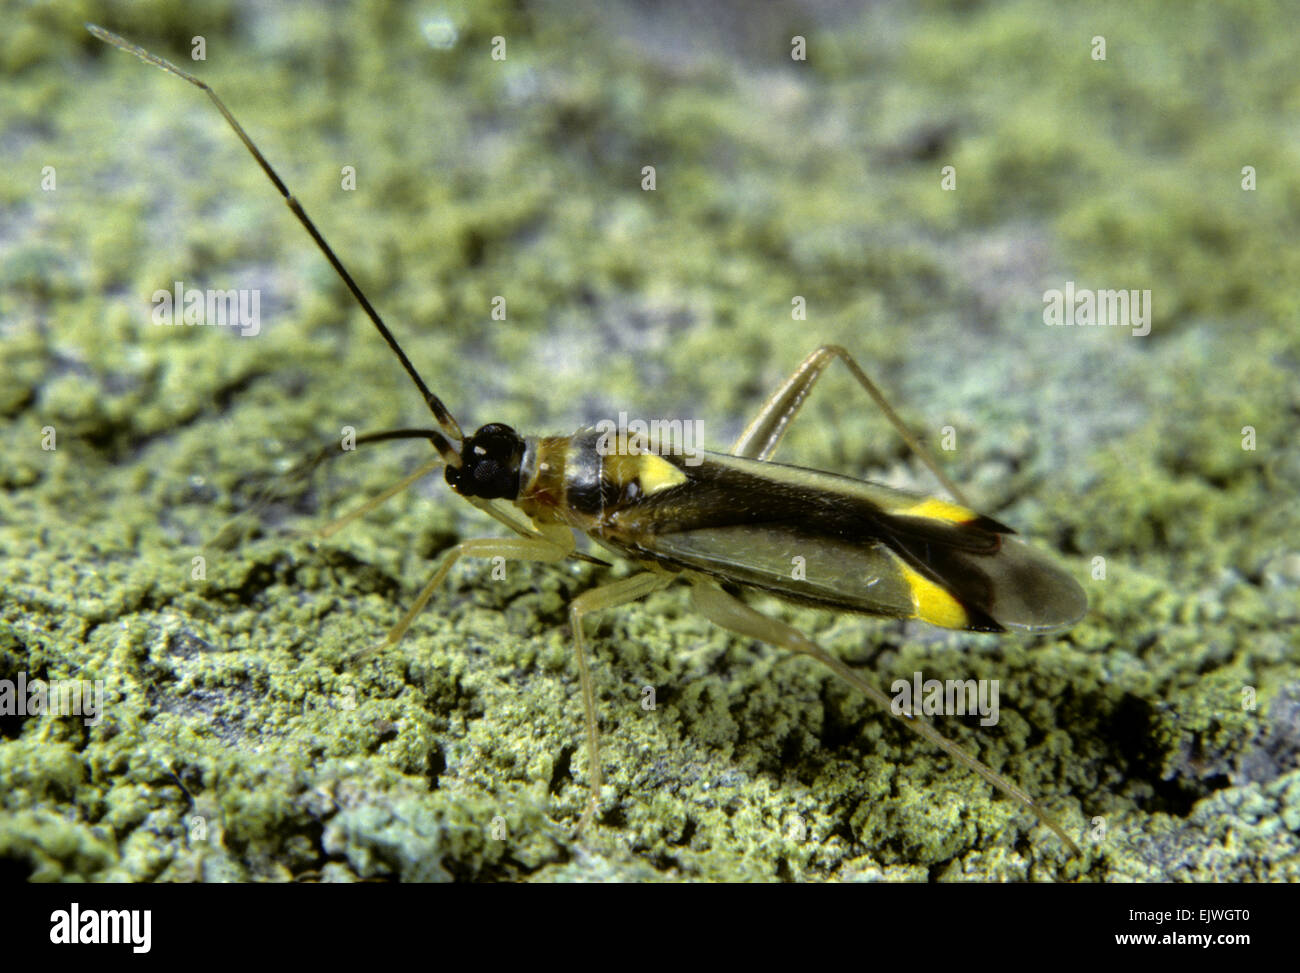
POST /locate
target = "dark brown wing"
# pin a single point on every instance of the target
(834, 541)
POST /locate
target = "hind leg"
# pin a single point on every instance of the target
(732, 614)
(765, 432)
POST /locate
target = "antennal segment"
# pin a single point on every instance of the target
(451, 453)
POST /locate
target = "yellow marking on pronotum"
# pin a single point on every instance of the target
(933, 604)
(649, 471)
(937, 509)
(655, 473)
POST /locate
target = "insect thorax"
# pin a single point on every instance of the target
(588, 478)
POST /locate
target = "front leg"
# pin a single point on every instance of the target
(547, 550)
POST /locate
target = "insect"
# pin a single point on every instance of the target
(723, 521)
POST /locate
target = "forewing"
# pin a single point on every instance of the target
(852, 545)
(781, 559)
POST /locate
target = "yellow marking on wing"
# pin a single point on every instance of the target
(933, 604)
(939, 510)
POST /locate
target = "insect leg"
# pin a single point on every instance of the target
(608, 596)
(510, 548)
(764, 433)
(729, 613)
(335, 526)
(227, 537)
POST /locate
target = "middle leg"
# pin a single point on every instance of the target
(608, 596)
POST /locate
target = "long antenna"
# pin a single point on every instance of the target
(440, 411)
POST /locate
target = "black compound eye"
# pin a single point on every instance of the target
(489, 464)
